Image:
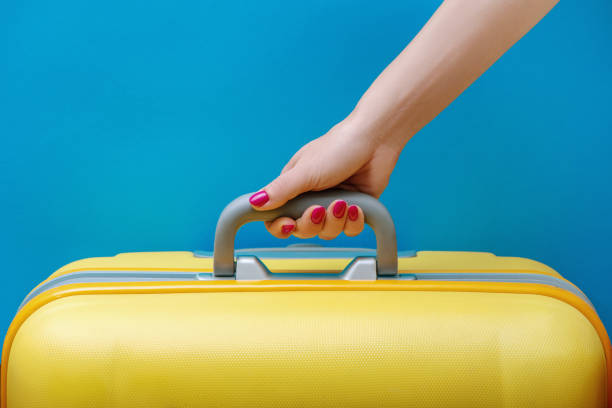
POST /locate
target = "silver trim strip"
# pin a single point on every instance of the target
(161, 276)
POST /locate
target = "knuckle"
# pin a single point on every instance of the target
(327, 237)
(305, 235)
(275, 185)
(351, 233)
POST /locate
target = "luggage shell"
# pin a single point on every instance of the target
(452, 329)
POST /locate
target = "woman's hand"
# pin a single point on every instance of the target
(459, 43)
(347, 157)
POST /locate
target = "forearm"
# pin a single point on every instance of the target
(461, 41)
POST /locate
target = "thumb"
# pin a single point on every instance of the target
(282, 189)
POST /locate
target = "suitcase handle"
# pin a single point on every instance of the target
(239, 212)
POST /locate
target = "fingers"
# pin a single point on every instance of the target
(334, 220)
(281, 227)
(289, 184)
(354, 221)
(311, 222)
(327, 223)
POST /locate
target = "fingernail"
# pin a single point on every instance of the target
(259, 198)
(353, 213)
(317, 215)
(286, 229)
(339, 209)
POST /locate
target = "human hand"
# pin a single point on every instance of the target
(456, 46)
(347, 157)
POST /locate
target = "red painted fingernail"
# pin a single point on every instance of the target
(286, 229)
(353, 213)
(339, 209)
(317, 215)
(259, 198)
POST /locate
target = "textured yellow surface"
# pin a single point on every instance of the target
(425, 261)
(307, 349)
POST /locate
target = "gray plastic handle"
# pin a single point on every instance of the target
(239, 212)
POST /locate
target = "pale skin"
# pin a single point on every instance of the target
(460, 42)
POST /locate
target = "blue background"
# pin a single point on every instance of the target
(127, 126)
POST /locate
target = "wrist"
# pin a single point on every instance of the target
(376, 127)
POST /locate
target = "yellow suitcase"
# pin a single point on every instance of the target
(306, 327)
